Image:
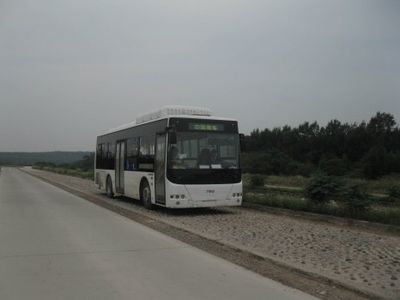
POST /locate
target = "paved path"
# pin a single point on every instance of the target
(54, 245)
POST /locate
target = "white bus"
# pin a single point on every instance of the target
(177, 157)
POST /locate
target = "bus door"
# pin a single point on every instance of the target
(160, 168)
(120, 166)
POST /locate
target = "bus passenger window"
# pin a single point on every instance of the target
(132, 154)
(146, 153)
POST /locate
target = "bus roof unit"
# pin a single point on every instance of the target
(173, 111)
(164, 112)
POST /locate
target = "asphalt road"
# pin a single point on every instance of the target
(54, 245)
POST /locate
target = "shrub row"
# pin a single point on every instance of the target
(323, 188)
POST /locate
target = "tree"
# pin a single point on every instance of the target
(375, 162)
(381, 123)
(309, 144)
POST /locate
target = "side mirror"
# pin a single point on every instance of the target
(242, 141)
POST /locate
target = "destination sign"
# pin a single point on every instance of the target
(206, 126)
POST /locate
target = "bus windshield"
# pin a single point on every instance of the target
(204, 150)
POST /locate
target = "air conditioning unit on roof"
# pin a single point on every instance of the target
(173, 111)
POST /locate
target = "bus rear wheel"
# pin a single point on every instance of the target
(109, 187)
(145, 195)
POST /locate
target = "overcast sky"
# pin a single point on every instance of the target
(70, 69)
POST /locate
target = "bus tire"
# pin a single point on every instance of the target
(109, 187)
(145, 195)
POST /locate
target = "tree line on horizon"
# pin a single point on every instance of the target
(30, 158)
(367, 149)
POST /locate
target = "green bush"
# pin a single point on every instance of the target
(354, 198)
(394, 191)
(256, 180)
(321, 188)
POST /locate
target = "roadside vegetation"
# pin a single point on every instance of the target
(369, 200)
(341, 169)
(82, 168)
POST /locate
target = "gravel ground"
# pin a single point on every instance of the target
(365, 260)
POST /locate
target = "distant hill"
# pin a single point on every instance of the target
(29, 158)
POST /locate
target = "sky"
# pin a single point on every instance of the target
(71, 69)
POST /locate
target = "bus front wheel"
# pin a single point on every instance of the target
(146, 195)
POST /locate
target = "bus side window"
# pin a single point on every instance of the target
(112, 155)
(103, 156)
(107, 156)
(131, 163)
(146, 154)
(98, 157)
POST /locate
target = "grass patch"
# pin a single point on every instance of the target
(380, 186)
(282, 181)
(383, 215)
(384, 184)
(376, 213)
(276, 200)
(288, 181)
(67, 171)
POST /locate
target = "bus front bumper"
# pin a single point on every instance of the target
(182, 203)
